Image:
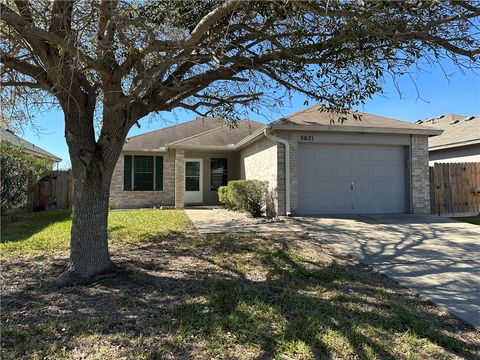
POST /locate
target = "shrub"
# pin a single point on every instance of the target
(270, 211)
(20, 171)
(223, 197)
(246, 195)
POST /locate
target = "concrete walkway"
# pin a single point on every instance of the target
(210, 221)
(434, 256)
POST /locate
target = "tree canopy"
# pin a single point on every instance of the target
(210, 56)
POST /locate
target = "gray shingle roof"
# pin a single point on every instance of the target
(224, 135)
(312, 116)
(463, 132)
(201, 131)
(28, 146)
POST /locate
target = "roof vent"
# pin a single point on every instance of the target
(469, 118)
(454, 122)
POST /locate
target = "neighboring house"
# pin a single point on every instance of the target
(313, 163)
(459, 142)
(12, 138)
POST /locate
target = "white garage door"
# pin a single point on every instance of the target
(351, 179)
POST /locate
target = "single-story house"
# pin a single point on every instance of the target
(14, 139)
(312, 162)
(459, 142)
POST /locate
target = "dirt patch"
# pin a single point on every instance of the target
(243, 218)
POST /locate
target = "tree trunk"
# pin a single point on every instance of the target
(89, 254)
(93, 163)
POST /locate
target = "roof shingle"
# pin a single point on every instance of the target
(313, 116)
(201, 131)
(454, 133)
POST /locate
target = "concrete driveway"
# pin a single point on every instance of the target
(437, 257)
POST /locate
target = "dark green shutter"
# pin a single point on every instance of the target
(159, 173)
(127, 173)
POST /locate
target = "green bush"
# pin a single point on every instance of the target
(20, 171)
(251, 196)
(223, 197)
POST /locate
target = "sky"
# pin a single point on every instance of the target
(424, 95)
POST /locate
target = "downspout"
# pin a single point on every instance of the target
(287, 167)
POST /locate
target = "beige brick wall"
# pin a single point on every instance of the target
(419, 180)
(137, 199)
(259, 161)
(179, 179)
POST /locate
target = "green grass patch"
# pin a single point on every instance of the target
(49, 231)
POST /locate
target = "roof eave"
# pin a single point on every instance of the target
(203, 147)
(366, 129)
(454, 145)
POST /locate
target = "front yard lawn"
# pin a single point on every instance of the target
(49, 231)
(189, 296)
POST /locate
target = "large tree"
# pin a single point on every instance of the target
(111, 63)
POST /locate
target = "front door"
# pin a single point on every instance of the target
(193, 181)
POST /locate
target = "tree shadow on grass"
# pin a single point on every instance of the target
(202, 297)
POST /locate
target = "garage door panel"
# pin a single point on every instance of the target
(342, 153)
(377, 154)
(323, 152)
(307, 153)
(361, 170)
(395, 172)
(324, 169)
(395, 154)
(361, 187)
(362, 154)
(377, 172)
(308, 169)
(325, 187)
(343, 170)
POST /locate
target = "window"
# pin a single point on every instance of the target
(192, 175)
(219, 173)
(143, 173)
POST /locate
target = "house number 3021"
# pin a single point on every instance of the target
(306, 137)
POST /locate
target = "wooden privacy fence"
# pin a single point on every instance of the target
(53, 191)
(455, 189)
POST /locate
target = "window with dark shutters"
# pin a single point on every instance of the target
(143, 173)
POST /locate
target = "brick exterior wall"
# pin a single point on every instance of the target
(179, 179)
(137, 199)
(262, 160)
(420, 179)
(259, 161)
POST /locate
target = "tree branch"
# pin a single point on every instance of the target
(32, 34)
